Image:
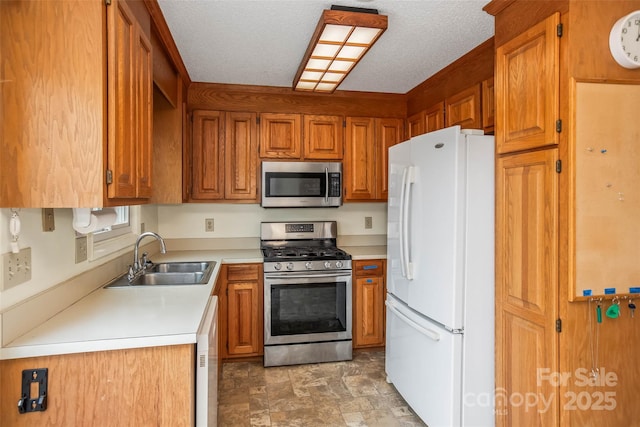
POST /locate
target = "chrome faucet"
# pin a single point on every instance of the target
(139, 265)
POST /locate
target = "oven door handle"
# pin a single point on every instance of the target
(304, 276)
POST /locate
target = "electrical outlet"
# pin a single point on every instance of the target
(208, 224)
(81, 249)
(368, 222)
(16, 267)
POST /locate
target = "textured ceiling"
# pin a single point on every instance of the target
(261, 42)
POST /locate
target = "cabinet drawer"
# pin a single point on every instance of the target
(243, 272)
(374, 267)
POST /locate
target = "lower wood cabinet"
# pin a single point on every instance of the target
(151, 386)
(368, 303)
(241, 319)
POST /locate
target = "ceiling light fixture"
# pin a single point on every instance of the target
(342, 37)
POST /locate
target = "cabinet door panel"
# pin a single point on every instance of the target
(323, 137)
(144, 115)
(280, 136)
(527, 85)
(359, 169)
(434, 117)
(526, 282)
(388, 133)
(463, 109)
(488, 106)
(241, 165)
(417, 124)
(207, 156)
(243, 319)
(369, 311)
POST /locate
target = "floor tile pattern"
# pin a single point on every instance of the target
(350, 393)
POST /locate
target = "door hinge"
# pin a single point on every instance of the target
(559, 29)
(107, 2)
(559, 325)
(109, 176)
(558, 166)
(559, 125)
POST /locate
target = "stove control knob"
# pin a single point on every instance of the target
(307, 265)
(338, 264)
(290, 266)
(327, 264)
(277, 266)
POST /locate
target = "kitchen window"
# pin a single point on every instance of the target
(119, 236)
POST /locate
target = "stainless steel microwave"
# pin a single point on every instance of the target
(301, 184)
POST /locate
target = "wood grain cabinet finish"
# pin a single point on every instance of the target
(416, 124)
(488, 106)
(434, 117)
(463, 109)
(365, 164)
(368, 304)
(130, 84)
(323, 137)
(528, 80)
(527, 281)
(224, 156)
(241, 311)
(280, 136)
(153, 386)
(76, 103)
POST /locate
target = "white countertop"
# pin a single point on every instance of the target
(129, 317)
(133, 317)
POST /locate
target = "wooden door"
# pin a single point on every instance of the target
(526, 288)
(360, 159)
(207, 156)
(241, 158)
(242, 307)
(463, 109)
(144, 115)
(527, 83)
(488, 106)
(323, 137)
(122, 133)
(417, 124)
(388, 133)
(280, 136)
(434, 117)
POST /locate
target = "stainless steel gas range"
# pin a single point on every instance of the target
(307, 294)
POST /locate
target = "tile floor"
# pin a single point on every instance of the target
(351, 393)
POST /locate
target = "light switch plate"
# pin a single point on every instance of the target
(16, 268)
(368, 222)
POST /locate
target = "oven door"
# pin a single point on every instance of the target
(307, 307)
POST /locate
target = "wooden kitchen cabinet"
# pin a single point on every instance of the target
(463, 109)
(224, 160)
(417, 124)
(280, 136)
(369, 294)
(241, 311)
(132, 387)
(434, 117)
(488, 106)
(323, 137)
(365, 164)
(527, 79)
(77, 127)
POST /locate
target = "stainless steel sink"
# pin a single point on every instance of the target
(170, 274)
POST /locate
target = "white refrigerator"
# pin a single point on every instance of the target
(440, 276)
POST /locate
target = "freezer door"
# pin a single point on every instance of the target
(424, 363)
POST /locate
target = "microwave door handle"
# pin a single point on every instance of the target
(326, 185)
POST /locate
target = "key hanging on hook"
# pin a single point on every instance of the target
(613, 312)
(632, 307)
(599, 311)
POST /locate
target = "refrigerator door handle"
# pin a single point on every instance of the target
(424, 331)
(405, 248)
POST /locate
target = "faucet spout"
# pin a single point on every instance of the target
(137, 268)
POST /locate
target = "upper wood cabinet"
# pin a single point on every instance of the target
(76, 103)
(280, 136)
(463, 109)
(488, 106)
(434, 117)
(323, 137)
(224, 160)
(416, 124)
(528, 79)
(365, 161)
(130, 84)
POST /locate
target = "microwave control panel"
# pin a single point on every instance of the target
(335, 186)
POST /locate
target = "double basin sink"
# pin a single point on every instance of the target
(170, 273)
